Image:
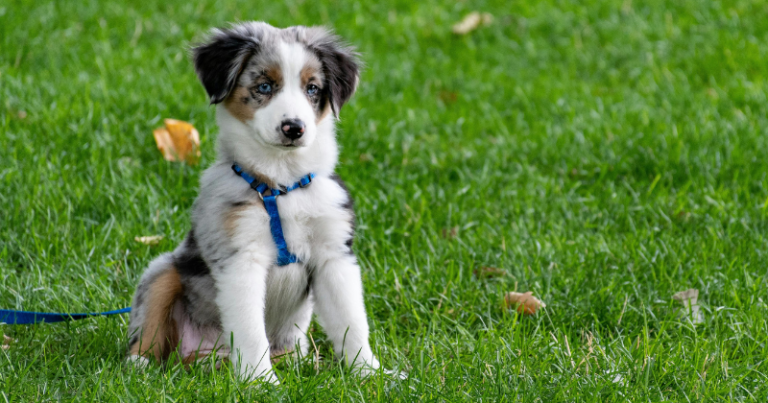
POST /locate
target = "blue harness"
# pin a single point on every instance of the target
(284, 256)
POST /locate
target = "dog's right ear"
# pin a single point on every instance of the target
(219, 61)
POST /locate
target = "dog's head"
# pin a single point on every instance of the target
(281, 83)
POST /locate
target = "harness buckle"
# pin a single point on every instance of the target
(309, 181)
(260, 189)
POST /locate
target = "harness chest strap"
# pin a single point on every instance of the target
(284, 256)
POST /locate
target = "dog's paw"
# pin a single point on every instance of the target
(137, 361)
(270, 377)
(396, 374)
(255, 375)
(266, 378)
(366, 370)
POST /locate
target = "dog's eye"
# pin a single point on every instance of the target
(312, 89)
(264, 88)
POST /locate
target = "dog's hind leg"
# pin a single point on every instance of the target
(152, 330)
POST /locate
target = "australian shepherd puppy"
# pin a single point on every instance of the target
(278, 93)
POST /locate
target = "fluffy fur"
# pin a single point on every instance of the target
(220, 290)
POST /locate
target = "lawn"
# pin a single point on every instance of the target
(602, 154)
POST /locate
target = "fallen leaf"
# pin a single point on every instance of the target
(488, 272)
(7, 342)
(178, 141)
(471, 22)
(126, 163)
(449, 233)
(366, 157)
(691, 309)
(149, 240)
(448, 97)
(526, 303)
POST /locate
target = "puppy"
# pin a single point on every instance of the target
(278, 93)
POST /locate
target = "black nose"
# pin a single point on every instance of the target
(292, 128)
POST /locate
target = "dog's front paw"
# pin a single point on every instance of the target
(268, 378)
(258, 374)
(396, 374)
(365, 370)
(137, 361)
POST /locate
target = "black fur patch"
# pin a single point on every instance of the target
(220, 61)
(341, 69)
(349, 206)
(309, 282)
(189, 262)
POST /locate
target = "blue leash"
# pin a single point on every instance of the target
(12, 317)
(284, 256)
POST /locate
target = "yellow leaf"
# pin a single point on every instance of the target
(526, 303)
(178, 141)
(471, 22)
(149, 240)
(7, 342)
(691, 309)
(488, 272)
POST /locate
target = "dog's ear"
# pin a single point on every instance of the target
(341, 65)
(219, 61)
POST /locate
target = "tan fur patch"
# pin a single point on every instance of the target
(274, 73)
(239, 104)
(309, 72)
(243, 102)
(324, 113)
(233, 215)
(159, 334)
(312, 73)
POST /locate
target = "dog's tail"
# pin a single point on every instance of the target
(154, 332)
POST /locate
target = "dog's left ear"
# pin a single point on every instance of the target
(341, 65)
(220, 60)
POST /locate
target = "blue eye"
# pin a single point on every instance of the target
(264, 88)
(312, 89)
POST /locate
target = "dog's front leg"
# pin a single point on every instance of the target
(340, 309)
(241, 285)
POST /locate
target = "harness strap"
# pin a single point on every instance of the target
(11, 317)
(284, 256)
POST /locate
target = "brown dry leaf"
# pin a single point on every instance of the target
(448, 97)
(488, 272)
(7, 342)
(149, 240)
(178, 141)
(366, 157)
(471, 22)
(449, 233)
(526, 303)
(691, 309)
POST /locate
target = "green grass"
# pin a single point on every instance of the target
(604, 154)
